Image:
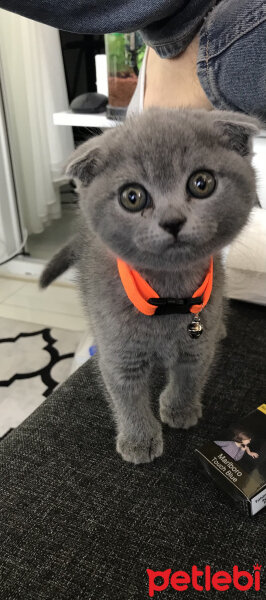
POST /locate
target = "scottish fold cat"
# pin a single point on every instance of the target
(164, 192)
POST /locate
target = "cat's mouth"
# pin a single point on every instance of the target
(161, 248)
(172, 248)
(177, 244)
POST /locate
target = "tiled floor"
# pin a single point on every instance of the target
(58, 306)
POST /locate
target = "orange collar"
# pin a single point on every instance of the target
(148, 302)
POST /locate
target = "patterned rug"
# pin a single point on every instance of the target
(34, 360)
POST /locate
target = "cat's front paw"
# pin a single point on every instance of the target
(140, 450)
(181, 418)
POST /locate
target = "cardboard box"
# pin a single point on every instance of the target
(236, 461)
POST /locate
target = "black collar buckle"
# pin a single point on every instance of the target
(173, 306)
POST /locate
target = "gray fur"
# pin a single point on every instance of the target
(159, 150)
(61, 261)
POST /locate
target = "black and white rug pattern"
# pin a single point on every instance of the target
(33, 360)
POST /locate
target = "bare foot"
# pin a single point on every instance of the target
(173, 82)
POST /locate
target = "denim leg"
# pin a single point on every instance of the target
(166, 25)
(232, 56)
(170, 36)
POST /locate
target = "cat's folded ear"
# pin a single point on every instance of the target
(236, 130)
(86, 161)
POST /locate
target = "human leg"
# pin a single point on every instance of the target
(232, 57)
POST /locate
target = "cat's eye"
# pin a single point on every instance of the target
(134, 197)
(201, 184)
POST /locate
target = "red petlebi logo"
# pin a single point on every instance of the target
(220, 580)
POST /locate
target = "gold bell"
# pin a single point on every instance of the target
(195, 328)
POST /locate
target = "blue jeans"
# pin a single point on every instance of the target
(232, 53)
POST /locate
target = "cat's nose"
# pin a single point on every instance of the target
(173, 226)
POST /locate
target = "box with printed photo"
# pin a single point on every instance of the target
(236, 460)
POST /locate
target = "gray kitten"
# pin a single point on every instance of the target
(165, 191)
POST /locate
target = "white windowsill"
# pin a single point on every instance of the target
(68, 117)
(72, 119)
